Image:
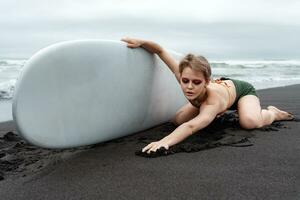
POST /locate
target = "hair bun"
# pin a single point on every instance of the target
(189, 57)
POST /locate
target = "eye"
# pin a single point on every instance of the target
(197, 82)
(185, 80)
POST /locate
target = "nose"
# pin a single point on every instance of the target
(190, 85)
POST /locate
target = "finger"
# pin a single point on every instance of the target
(133, 45)
(145, 148)
(154, 148)
(125, 38)
(130, 45)
(149, 151)
(129, 40)
(149, 146)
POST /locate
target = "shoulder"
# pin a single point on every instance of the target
(213, 96)
(214, 101)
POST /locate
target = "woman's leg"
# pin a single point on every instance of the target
(252, 116)
(185, 113)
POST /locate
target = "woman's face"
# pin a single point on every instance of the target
(192, 83)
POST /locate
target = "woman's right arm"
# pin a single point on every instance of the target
(155, 48)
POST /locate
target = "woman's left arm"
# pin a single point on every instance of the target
(206, 116)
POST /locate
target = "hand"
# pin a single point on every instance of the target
(153, 146)
(132, 43)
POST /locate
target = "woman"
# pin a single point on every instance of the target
(207, 98)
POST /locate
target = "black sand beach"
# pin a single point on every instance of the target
(225, 162)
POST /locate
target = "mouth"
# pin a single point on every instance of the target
(189, 93)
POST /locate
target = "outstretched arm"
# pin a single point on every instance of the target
(206, 116)
(155, 48)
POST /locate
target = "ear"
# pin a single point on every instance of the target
(207, 81)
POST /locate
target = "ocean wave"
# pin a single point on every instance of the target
(13, 62)
(256, 62)
(238, 66)
(241, 76)
(252, 66)
(267, 64)
(3, 63)
(7, 89)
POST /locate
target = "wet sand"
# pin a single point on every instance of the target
(220, 162)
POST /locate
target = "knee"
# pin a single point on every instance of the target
(250, 122)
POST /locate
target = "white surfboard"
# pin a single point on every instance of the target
(89, 91)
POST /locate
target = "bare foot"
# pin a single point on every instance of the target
(280, 115)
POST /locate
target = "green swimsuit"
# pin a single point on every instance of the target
(242, 88)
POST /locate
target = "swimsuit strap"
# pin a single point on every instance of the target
(219, 81)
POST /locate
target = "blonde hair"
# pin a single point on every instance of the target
(198, 63)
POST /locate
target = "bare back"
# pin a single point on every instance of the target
(223, 92)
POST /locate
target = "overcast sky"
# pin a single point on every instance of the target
(218, 29)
